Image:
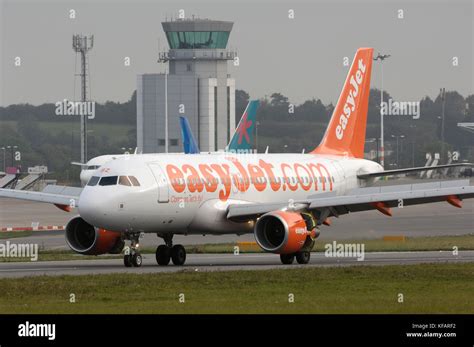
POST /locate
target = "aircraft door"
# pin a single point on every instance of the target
(162, 180)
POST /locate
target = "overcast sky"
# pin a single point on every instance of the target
(300, 57)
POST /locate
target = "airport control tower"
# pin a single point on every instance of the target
(197, 86)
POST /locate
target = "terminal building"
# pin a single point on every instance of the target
(197, 86)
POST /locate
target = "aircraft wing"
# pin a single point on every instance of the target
(364, 199)
(63, 197)
(412, 169)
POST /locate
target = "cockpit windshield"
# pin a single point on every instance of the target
(93, 181)
(108, 181)
(113, 180)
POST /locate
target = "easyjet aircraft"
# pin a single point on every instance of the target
(281, 198)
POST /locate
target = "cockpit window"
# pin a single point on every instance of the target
(93, 167)
(93, 181)
(108, 181)
(134, 181)
(123, 180)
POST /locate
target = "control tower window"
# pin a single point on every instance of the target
(197, 39)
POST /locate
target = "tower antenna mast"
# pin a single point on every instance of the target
(82, 45)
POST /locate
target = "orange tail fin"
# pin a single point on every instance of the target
(345, 134)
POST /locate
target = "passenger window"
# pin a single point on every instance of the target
(93, 181)
(108, 181)
(123, 180)
(134, 181)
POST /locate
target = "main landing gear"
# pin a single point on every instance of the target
(301, 257)
(132, 255)
(304, 254)
(167, 252)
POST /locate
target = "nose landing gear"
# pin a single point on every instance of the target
(167, 252)
(132, 255)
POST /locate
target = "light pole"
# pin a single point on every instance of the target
(166, 112)
(381, 57)
(442, 92)
(13, 152)
(398, 137)
(413, 134)
(257, 123)
(372, 140)
(4, 150)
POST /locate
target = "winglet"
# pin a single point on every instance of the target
(345, 134)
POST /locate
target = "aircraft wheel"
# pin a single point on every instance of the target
(163, 255)
(178, 255)
(303, 257)
(137, 260)
(287, 259)
(127, 260)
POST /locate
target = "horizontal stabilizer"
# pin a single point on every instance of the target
(78, 164)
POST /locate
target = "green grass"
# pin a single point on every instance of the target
(14, 234)
(427, 288)
(428, 243)
(432, 243)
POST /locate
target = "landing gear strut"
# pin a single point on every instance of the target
(132, 256)
(167, 252)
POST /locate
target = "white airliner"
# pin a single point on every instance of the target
(282, 198)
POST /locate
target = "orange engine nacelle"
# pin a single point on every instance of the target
(84, 238)
(282, 232)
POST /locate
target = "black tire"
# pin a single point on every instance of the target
(303, 257)
(163, 255)
(137, 260)
(127, 260)
(178, 255)
(287, 259)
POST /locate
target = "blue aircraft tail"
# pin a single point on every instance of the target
(189, 142)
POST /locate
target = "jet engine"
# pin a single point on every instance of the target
(84, 238)
(284, 232)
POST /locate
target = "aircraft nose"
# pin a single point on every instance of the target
(94, 207)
